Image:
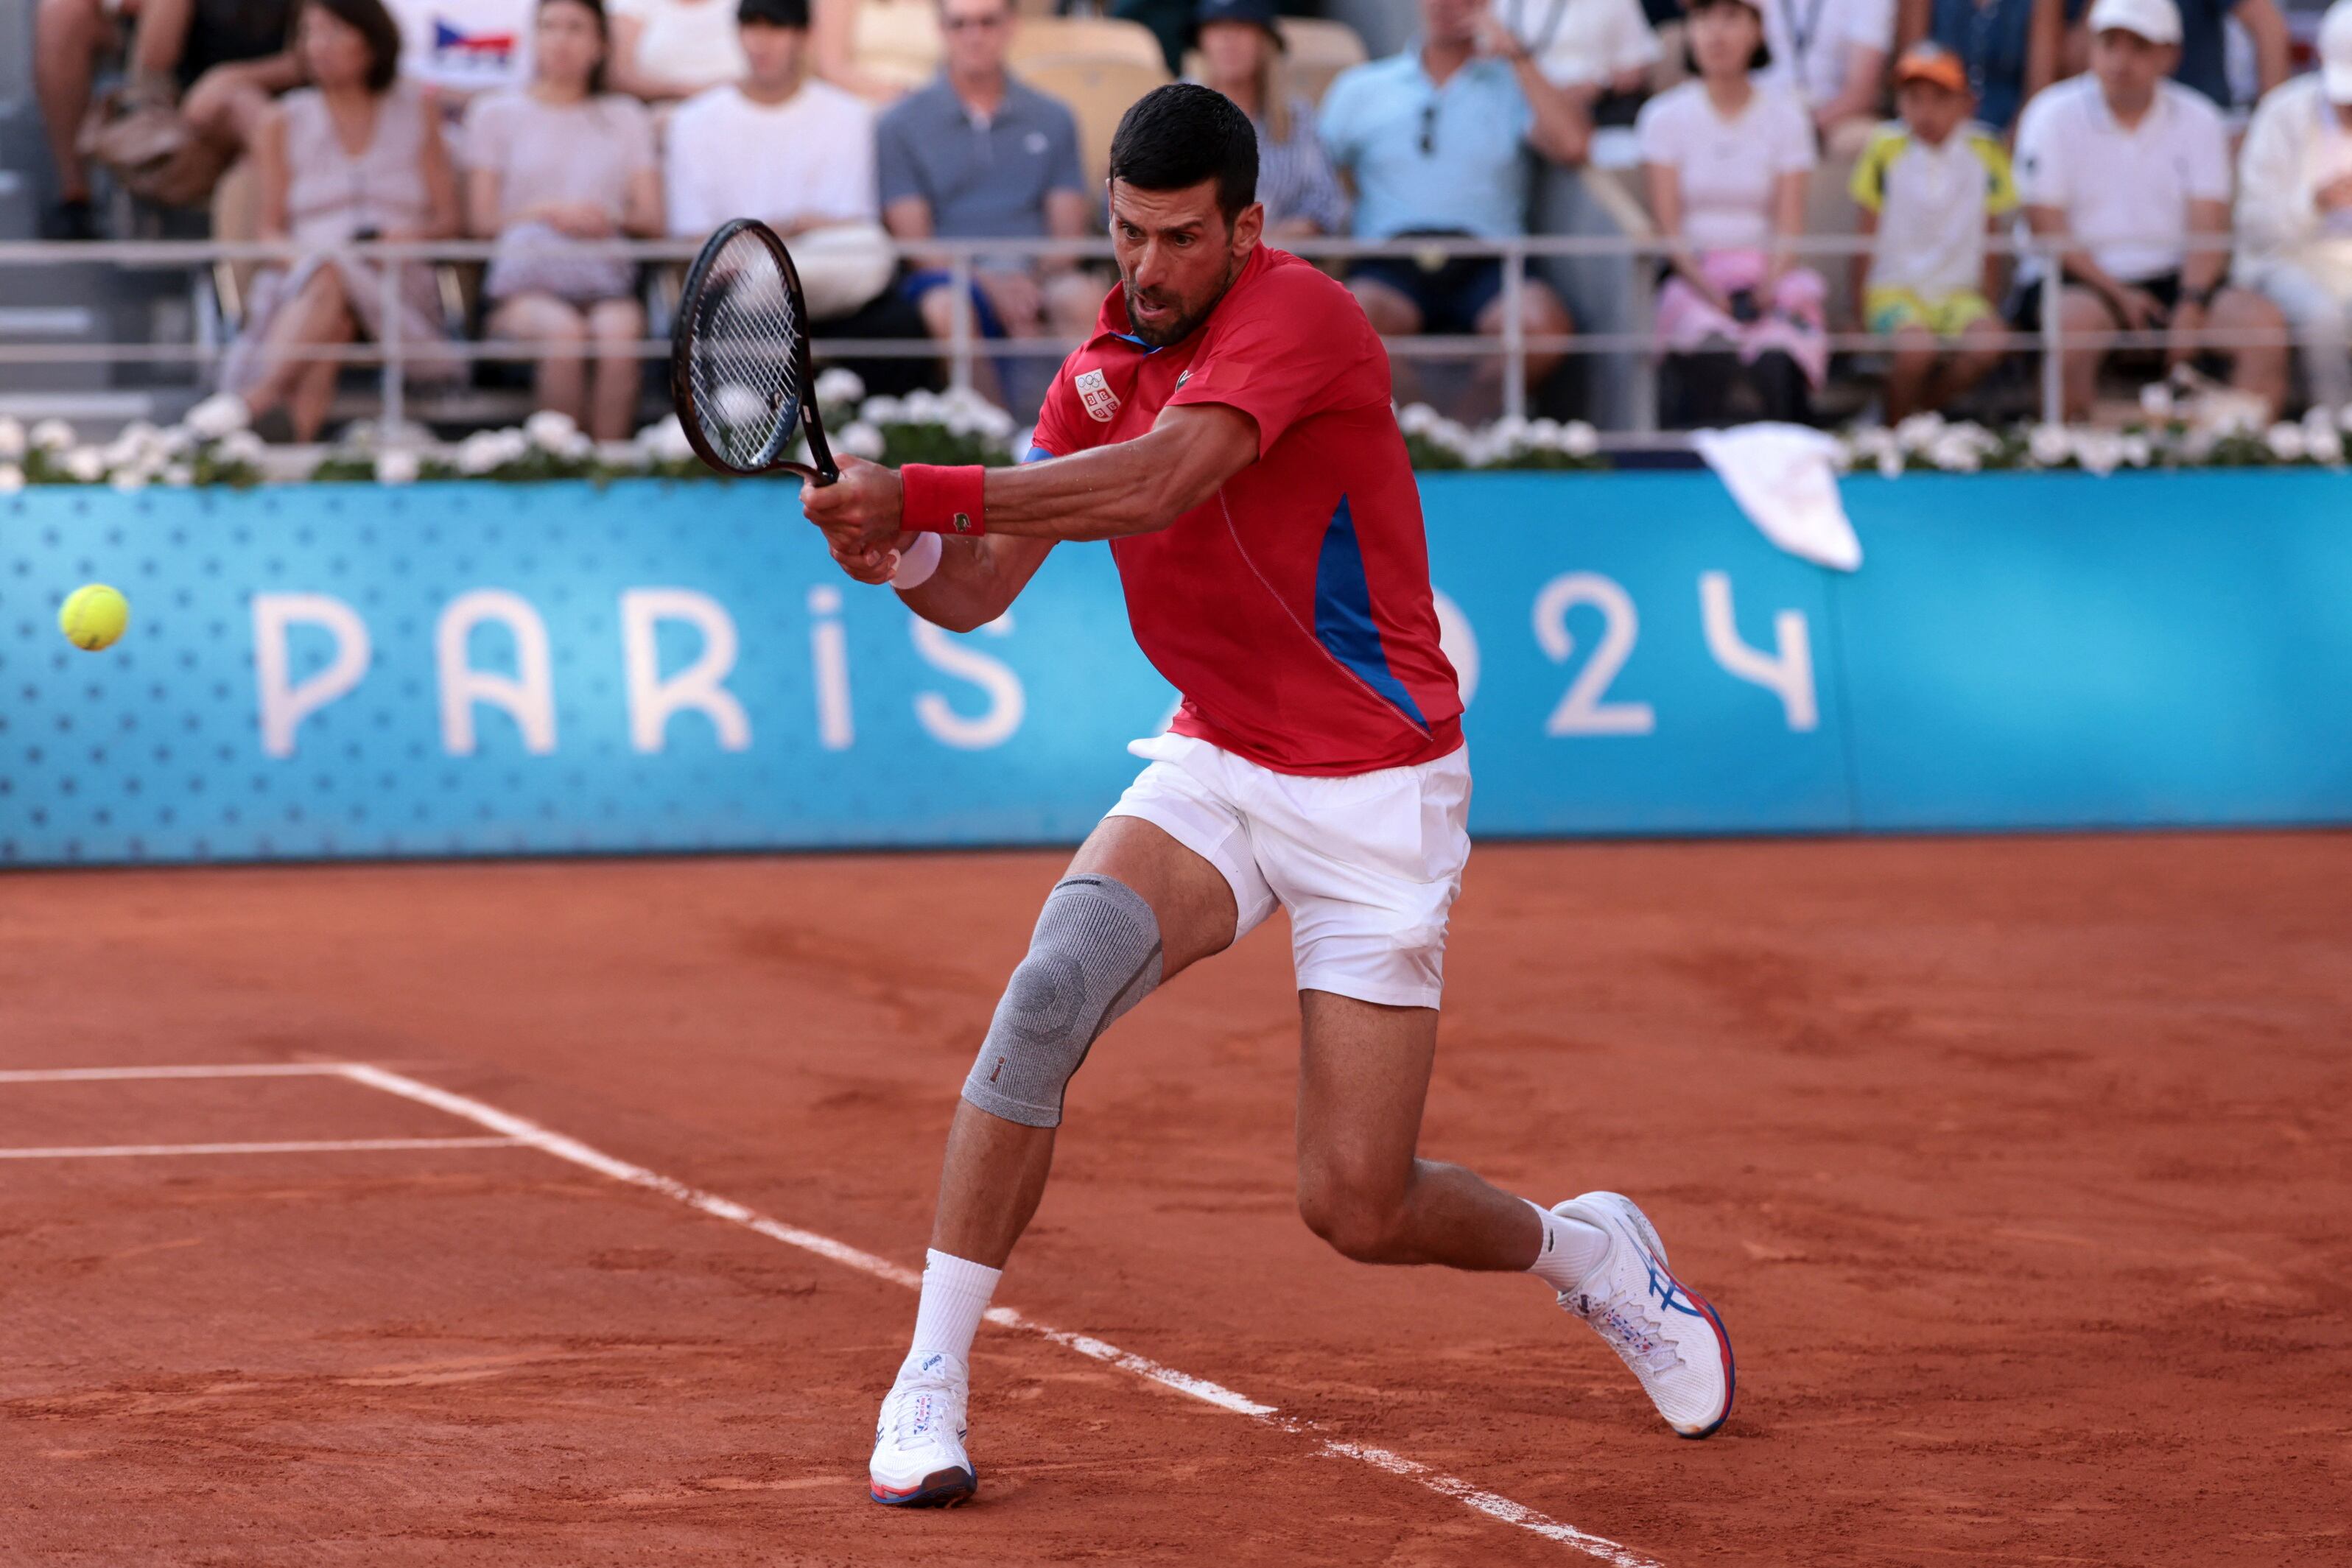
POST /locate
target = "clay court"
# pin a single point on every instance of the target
(2017, 1168)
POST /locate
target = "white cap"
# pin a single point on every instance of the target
(2157, 21)
(2336, 52)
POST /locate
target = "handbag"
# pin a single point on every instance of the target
(151, 151)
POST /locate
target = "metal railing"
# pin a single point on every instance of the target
(965, 346)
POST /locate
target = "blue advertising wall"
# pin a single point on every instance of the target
(346, 671)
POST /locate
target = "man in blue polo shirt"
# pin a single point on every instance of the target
(1436, 141)
(977, 155)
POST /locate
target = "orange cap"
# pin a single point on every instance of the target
(1934, 63)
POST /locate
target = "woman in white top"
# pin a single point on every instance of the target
(554, 168)
(355, 157)
(1727, 162)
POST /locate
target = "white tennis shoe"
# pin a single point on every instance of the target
(1657, 1325)
(918, 1457)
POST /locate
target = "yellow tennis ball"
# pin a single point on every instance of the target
(93, 617)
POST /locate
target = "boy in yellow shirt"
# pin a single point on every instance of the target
(1931, 187)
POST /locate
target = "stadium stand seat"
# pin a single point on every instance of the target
(1319, 50)
(1098, 91)
(1101, 38)
(898, 41)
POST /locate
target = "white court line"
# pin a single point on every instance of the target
(563, 1148)
(121, 1074)
(345, 1145)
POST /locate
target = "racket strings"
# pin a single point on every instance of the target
(746, 363)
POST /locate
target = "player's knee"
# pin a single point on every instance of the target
(1094, 954)
(1354, 1217)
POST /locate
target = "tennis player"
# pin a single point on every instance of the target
(1229, 430)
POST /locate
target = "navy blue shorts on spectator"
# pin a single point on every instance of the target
(922, 281)
(1450, 297)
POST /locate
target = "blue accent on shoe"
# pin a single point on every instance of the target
(1343, 614)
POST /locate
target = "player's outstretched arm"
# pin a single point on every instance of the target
(1132, 487)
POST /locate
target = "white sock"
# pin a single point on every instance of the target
(955, 1294)
(1570, 1249)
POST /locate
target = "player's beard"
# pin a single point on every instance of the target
(1181, 326)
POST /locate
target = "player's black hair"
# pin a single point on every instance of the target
(1181, 134)
(374, 23)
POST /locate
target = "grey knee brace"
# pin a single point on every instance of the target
(1094, 954)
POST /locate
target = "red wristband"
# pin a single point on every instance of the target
(943, 500)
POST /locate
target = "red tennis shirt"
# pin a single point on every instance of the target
(1292, 608)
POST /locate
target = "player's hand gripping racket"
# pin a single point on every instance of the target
(739, 365)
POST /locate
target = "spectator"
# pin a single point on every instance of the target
(2011, 48)
(778, 146)
(2295, 208)
(1241, 56)
(355, 156)
(1833, 54)
(1597, 48)
(2204, 45)
(977, 155)
(2127, 168)
(1727, 159)
(1436, 140)
(558, 167)
(1930, 189)
(221, 61)
(664, 51)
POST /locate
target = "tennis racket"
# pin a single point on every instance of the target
(739, 365)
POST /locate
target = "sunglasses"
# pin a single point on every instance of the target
(964, 24)
(1429, 129)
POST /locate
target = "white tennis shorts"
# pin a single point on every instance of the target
(1368, 865)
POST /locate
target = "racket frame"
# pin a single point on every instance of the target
(681, 358)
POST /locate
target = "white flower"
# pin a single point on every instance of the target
(2049, 445)
(243, 447)
(220, 415)
(1890, 461)
(921, 406)
(840, 385)
(397, 466)
(1419, 419)
(131, 447)
(1955, 452)
(2138, 450)
(2325, 442)
(1916, 432)
(12, 440)
(52, 435)
(2155, 400)
(130, 481)
(85, 465)
(178, 475)
(862, 439)
(883, 411)
(550, 430)
(967, 413)
(481, 453)
(665, 442)
(2099, 451)
(2286, 442)
(12, 478)
(1579, 439)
